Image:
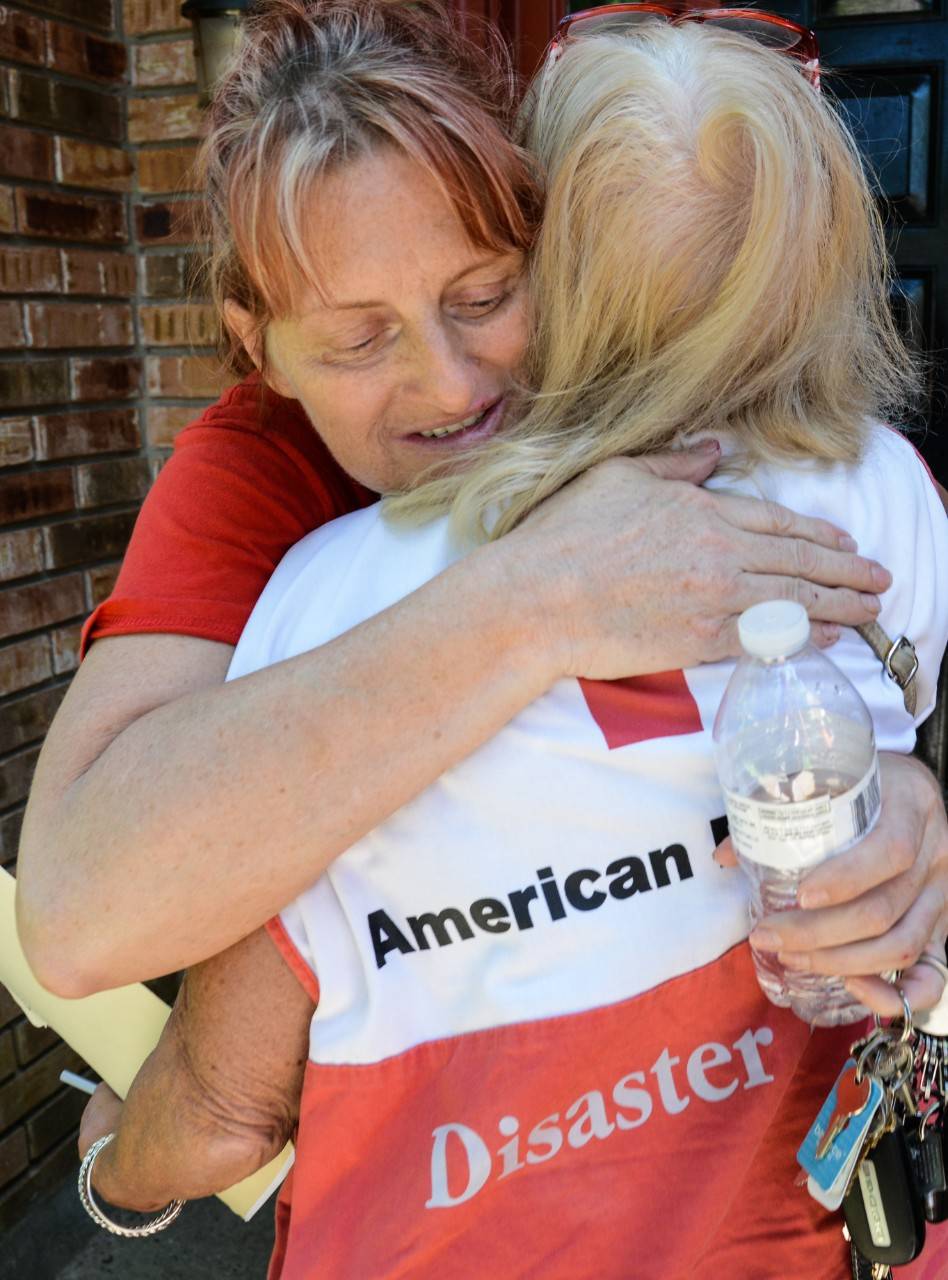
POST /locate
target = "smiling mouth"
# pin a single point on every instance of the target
(477, 424)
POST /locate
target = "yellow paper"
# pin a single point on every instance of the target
(114, 1031)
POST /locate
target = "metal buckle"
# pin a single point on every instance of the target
(896, 649)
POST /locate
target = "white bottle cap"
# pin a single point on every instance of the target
(774, 629)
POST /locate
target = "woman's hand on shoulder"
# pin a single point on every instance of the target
(880, 905)
(641, 570)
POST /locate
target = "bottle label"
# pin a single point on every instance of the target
(799, 834)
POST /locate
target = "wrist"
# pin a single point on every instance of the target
(113, 1186)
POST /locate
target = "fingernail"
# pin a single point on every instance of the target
(873, 603)
(881, 577)
(831, 634)
(706, 446)
(810, 898)
(846, 543)
(765, 940)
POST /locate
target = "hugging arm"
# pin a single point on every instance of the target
(219, 1096)
(161, 789)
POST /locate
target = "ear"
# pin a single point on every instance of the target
(243, 325)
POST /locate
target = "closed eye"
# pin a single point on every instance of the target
(483, 306)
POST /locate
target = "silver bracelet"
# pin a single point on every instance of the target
(164, 1219)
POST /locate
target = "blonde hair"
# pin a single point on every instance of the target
(319, 83)
(711, 259)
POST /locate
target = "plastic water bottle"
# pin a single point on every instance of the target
(796, 756)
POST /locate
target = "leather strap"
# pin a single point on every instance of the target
(899, 659)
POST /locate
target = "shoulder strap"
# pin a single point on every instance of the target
(899, 659)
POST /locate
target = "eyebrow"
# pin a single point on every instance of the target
(368, 305)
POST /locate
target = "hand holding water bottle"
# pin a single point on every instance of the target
(796, 755)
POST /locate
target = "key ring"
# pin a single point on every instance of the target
(934, 963)
(907, 1024)
(875, 1044)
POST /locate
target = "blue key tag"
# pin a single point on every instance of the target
(829, 1174)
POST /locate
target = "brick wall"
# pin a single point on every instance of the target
(102, 361)
(180, 371)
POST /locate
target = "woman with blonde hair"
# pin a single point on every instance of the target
(517, 1023)
(370, 142)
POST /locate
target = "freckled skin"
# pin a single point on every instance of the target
(446, 328)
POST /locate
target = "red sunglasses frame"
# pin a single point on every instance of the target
(806, 50)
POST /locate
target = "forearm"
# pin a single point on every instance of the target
(219, 1096)
(173, 1143)
(205, 816)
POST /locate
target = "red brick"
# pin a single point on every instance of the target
(166, 420)
(87, 164)
(33, 382)
(37, 1083)
(182, 376)
(55, 104)
(22, 37)
(170, 275)
(25, 154)
(29, 495)
(99, 271)
(11, 824)
(171, 222)
(39, 1182)
(7, 210)
(162, 119)
(16, 441)
(148, 17)
(72, 435)
(53, 1121)
(7, 1055)
(179, 325)
(164, 63)
(14, 1156)
(21, 554)
(30, 270)
(16, 774)
(71, 217)
(105, 378)
(79, 324)
(24, 664)
(167, 170)
(93, 13)
(26, 719)
(9, 1009)
(76, 53)
(101, 582)
(93, 538)
(99, 484)
(65, 647)
(30, 607)
(30, 1042)
(12, 333)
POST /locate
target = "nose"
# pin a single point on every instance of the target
(445, 372)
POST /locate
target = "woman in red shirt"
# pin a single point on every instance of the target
(162, 793)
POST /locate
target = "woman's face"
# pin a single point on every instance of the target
(411, 351)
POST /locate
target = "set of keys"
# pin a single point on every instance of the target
(877, 1149)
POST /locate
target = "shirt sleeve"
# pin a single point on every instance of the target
(219, 518)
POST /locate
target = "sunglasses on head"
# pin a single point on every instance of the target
(767, 29)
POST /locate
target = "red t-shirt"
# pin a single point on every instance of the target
(245, 482)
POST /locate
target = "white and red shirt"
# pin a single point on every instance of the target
(539, 1047)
